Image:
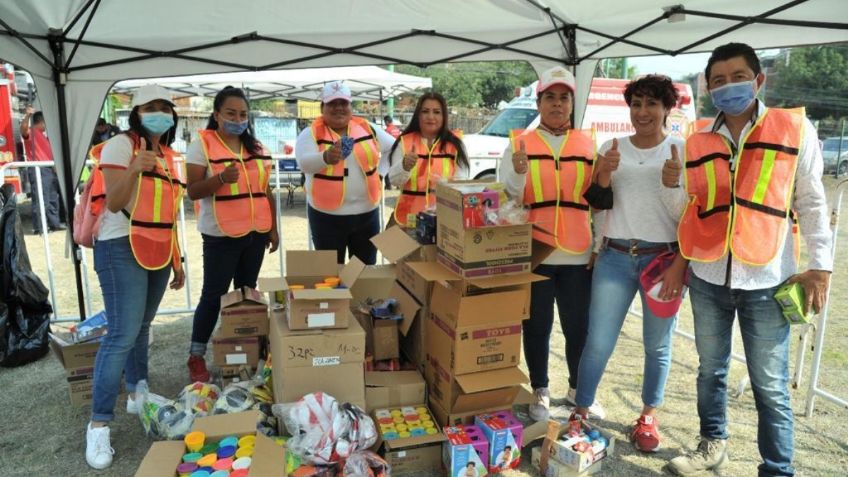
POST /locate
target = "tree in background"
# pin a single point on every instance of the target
(815, 77)
(476, 84)
(615, 68)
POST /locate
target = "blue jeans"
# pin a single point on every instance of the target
(225, 260)
(345, 232)
(570, 286)
(765, 336)
(615, 282)
(131, 296)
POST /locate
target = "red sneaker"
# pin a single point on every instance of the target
(197, 371)
(645, 435)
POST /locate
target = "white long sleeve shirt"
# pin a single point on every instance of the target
(311, 162)
(808, 201)
(515, 183)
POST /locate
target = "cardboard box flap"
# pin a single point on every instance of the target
(486, 380)
(273, 457)
(390, 378)
(243, 294)
(539, 253)
(311, 263)
(56, 344)
(160, 459)
(326, 294)
(395, 244)
(501, 397)
(273, 284)
(222, 425)
(408, 306)
(350, 272)
(433, 271)
(456, 310)
(498, 281)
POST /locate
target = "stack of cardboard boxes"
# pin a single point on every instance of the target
(239, 340)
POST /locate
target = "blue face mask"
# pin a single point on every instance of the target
(157, 123)
(235, 128)
(733, 98)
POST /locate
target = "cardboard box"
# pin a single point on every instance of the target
(481, 251)
(557, 469)
(374, 282)
(497, 388)
(78, 361)
(268, 457)
(475, 333)
(465, 452)
(504, 433)
(445, 419)
(244, 312)
(411, 454)
(399, 248)
(393, 389)
(413, 341)
(381, 336)
(236, 351)
(318, 360)
(558, 447)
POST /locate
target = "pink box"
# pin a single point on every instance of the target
(466, 452)
(505, 435)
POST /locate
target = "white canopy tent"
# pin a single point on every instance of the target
(77, 49)
(365, 82)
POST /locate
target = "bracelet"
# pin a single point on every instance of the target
(221, 178)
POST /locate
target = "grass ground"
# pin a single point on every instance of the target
(41, 434)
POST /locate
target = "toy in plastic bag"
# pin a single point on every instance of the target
(511, 213)
(199, 397)
(366, 464)
(325, 431)
(235, 398)
(162, 418)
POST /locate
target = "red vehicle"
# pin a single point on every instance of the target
(10, 117)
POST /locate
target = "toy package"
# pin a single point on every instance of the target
(505, 435)
(466, 452)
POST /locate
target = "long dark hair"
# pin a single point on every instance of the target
(445, 135)
(247, 138)
(138, 130)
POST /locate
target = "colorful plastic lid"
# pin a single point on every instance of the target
(200, 473)
(239, 473)
(242, 463)
(192, 457)
(246, 451)
(223, 464)
(247, 441)
(228, 441)
(207, 460)
(186, 468)
(226, 451)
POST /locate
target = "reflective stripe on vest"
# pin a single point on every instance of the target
(328, 187)
(153, 219)
(437, 162)
(748, 212)
(240, 207)
(555, 186)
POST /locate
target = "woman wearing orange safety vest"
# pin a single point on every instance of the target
(134, 251)
(425, 153)
(550, 169)
(228, 173)
(344, 159)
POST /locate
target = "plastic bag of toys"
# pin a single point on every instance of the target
(164, 418)
(366, 464)
(324, 431)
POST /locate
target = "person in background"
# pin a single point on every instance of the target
(390, 126)
(103, 131)
(341, 156)
(746, 180)
(37, 148)
(639, 227)
(228, 172)
(561, 221)
(134, 252)
(425, 153)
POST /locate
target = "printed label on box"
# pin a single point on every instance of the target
(314, 320)
(240, 358)
(326, 361)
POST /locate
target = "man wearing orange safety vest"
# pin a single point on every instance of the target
(342, 158)
(739, 186)
(549, 169)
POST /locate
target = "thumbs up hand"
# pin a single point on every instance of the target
(672, 169)
(519, 159)
(334, 154)
(410, 158)
(144, 160)
(608, 162)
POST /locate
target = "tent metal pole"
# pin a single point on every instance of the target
(59, 78)
(82, 33)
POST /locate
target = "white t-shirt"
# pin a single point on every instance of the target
(206, 223)
(639, 211)
(117, 153)
(311, 161)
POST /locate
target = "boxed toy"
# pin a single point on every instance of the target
(466, 452)
(410, 439)
(504, 433)
(576, 444)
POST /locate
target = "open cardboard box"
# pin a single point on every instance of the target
(305, 361)
(412, 454)
(393, 389)
(555, 459)
(78, 361)
(268, 457)
(381, 336)
(497, 388)
(244, 312)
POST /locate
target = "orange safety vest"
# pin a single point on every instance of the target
(240, 207)
(555, 186)
(328, 187)
(419, 191)
(153, 219)
(746, 210)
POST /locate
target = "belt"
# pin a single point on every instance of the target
(633, 249)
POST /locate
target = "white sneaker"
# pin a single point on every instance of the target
(541, 409)
(98, 450)
(596, 411)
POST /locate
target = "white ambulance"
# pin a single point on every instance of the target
(606, 112)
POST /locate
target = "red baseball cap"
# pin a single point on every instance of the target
(660, 308)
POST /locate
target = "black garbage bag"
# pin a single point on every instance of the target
(25, 311)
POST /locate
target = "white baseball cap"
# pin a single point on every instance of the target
(151, 92)
(555, 75)
(335, 90)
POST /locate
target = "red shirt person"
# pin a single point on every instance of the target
(37, 148)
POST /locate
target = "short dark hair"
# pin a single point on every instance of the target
(37, 117)
(100, 122)
(387, 119)
(653, 86)
(732, 50)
